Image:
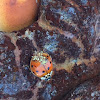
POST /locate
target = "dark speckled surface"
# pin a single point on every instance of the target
(69, 31)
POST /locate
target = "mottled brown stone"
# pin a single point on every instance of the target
(68, 30)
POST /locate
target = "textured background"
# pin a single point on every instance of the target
(69, 31)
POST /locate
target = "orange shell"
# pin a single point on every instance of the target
(17, 14)
(40, 69)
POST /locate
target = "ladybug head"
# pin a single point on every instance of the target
(47, 77)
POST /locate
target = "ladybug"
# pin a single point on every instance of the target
(41, 65)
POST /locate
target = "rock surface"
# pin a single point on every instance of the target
(69, 31)
(89, 90)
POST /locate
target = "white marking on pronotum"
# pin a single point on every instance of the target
(36, 1)
(47, 77)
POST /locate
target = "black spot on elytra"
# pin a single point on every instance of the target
(48, 68)
(37, 71)
(32, 66)
(43, 71)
